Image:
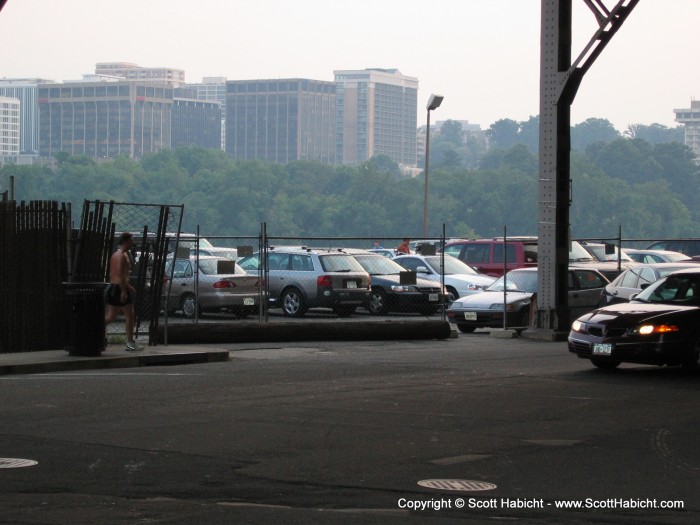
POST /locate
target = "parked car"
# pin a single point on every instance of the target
(689, 247)
(390, 295)
(219, 284)
(386, 252)
(486, 309)
(460, 279)
(655, 256)
(217, 251)
(600, 250)
(301, 278)
(634, 280)
(582, 258)
(487, 255)
(660, 326)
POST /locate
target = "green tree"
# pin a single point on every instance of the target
(656, 133)
(592, 130)
(503, 134)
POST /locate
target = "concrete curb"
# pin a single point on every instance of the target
(61, 361)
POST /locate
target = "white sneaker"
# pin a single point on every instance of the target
(133, 347)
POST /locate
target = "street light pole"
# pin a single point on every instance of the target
(433, 103)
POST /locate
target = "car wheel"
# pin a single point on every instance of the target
(293, 303)
(690, 360)
(377, 302)
(605, 364)
(189, 306)
(452, 296)
(466, 329)
(344, 310)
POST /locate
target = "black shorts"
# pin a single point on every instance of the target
(113, 296)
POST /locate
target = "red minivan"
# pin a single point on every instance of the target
(487, 255)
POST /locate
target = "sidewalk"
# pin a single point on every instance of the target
(113, 357)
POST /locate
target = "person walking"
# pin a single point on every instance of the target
(120, 293)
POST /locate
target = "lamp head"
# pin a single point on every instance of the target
(434, 102)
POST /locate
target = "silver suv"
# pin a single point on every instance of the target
(303, 278)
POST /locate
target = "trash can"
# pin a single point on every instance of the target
(85, 308)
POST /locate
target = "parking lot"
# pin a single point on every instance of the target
(342, 432)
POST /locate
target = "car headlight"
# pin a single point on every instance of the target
(403, 288)
(648, 329)
(578, 326)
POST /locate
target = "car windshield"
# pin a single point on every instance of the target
(379, 265)
(598, 251)
(579, 254)
(340, 263)
(683, 289)
(515, 281)
(452, 265)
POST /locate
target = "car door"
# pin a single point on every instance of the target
(627, 286)
(278, 272)
(585, 287)
(183, 281)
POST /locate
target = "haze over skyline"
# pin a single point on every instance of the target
(482, 55)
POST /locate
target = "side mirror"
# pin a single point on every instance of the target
(422, 269)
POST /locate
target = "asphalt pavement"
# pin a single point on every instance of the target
(471, 429)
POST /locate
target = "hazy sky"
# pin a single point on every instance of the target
(482, 55)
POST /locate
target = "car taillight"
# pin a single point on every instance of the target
(324, 280)
(224, 284)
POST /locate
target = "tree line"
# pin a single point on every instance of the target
(644, 181)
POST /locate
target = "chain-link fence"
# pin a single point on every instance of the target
(285, 278)
(155, 229)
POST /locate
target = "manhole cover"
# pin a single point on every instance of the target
(16, 463)
(456, 484)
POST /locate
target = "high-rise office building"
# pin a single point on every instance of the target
(213, 88)
(104, 119)
(376, 116)
(25, 89)
(196, 123)
(9, 128)
(129, 71)
(690, 118)
(281, 120)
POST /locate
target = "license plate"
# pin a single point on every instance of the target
(432, 297)
(602, 349)
(248, 301)
(350, 284)
(470, 316)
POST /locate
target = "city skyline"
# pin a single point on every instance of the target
(482, 55)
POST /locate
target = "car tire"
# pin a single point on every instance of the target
(604, 364)
(344, 310)
(466, 329)
(293, 303)
(189, 306)
(377, 302)
(690, 360)
(451, 296)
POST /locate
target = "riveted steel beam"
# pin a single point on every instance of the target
(560, 79)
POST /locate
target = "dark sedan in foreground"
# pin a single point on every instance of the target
(660, 326)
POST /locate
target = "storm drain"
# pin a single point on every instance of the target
(462, 485)
(16, 463)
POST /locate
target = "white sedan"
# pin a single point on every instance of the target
(460, 278)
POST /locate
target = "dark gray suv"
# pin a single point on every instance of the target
(301, 278)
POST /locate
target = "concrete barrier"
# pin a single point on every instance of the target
(254, 332)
